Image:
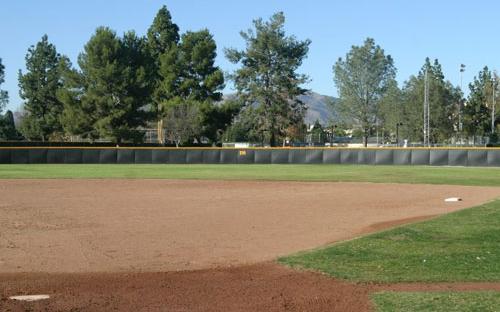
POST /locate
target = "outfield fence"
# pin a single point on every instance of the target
(485, 157)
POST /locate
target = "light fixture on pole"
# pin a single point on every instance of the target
(460, 124)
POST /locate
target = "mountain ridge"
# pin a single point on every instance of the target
(319, 107)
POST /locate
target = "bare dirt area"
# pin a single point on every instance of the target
(164, 225)
(258, 287)
(262, 287)
(95, 245)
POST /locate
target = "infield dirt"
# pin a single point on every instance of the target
(92, 244)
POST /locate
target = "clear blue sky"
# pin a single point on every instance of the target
(455, 32)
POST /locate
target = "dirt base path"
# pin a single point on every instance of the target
(261, 287)
(164, 225)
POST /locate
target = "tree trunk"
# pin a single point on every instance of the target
(365, 137)
(272, 140)
(159, 132)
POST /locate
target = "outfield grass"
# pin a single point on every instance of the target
(461, 246)
(483, 301)
(354, 173)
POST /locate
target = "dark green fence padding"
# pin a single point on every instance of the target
(494, 158)
(36, 156)
(354, 156)
(54, 156)
(125, 156)
(160, 156)
(438, 157)
(262, 156)
(90, 156)
(143, 156)
(457, 157)
(384, 157)
(314, 156)
(477, 158)
(21, 157)
(331, 156)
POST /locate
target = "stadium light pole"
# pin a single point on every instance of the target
(493, 88)
(460, 104)
(426, 108)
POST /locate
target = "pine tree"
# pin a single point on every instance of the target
(162, 39)
(268, 76)
(476, 111)
(38, 88)
(4, 96)
(188, 76)
(76, 119)
(163, 33)
(107, 98)
(8, 129)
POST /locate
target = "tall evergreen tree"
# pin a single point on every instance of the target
(189, 77)
(76, 119)
(38, 88)
(4, 96)
(268, 76)
(8, 129)
(107, 98)
(163, 33)
(7, 126)
(362, 80)
(162, 38)
(477, 114)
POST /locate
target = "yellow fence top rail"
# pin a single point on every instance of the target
(244, 148)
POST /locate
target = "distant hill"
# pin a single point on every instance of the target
(317, 107)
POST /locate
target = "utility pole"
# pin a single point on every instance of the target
(426, 109)
(494, 89)
(460, 123)
(397, 132)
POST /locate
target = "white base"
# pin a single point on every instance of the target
(30, 297)
(453, 199)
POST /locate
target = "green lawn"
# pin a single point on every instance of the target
(461, 246)
(395, 174)
(483, 301)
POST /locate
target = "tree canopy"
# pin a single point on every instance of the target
(4, 96)
(268, 80)
(477, 112)
(125, 84)
(362, 79)
(444, 100)
(111, 90)
(38, 88)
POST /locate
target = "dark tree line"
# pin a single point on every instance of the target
(371, 100)
(8, 129)
(123, 84)
(168, 80)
